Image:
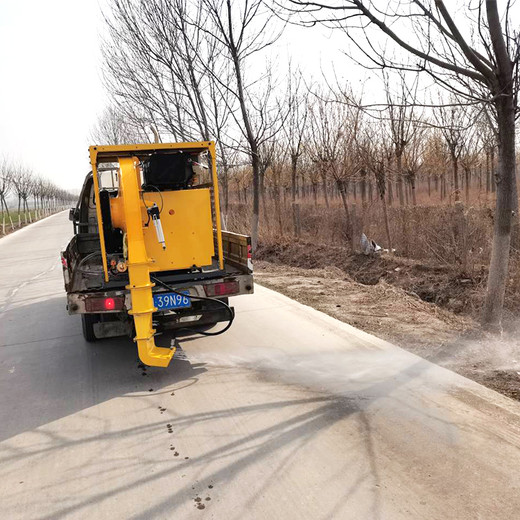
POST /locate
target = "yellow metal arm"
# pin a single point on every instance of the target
(93, 162)
(139, 267)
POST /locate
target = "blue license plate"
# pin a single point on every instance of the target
(165, 301)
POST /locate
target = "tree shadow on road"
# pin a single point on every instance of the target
(50, 371)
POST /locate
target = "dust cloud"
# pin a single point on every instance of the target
(370, 373)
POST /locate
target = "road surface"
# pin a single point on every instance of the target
(289, 415)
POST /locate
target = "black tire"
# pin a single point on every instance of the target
(87, 325)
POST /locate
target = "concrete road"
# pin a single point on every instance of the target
(290, 415)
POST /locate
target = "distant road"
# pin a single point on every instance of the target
(289, 415)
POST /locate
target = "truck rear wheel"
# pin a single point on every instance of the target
(87, 325)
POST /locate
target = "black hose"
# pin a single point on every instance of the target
(202, 298)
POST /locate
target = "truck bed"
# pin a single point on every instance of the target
(82, 261)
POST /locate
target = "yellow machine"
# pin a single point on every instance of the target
(163, 229)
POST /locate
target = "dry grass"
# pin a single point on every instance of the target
(429, 233)
(449, 246)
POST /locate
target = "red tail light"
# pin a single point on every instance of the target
(110, 304)
(222, 289)
(104, 304)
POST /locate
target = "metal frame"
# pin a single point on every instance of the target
(112, 153)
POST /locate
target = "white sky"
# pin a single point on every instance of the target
(51, 91)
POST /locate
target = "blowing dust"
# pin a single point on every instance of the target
(451, 340)
(365, 374)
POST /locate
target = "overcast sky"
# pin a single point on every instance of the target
(51, 90)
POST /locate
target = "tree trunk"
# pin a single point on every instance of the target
(506, 188)
(455, 165)
(363, 190)
(225, 180)
(387, 224)
(412, 189)
(325, 194)
(467, 173)
(343, 193)
(294, 165)
(493, 172)
(277, 205)
(256, 200)
(488, 174)
(399, 182)
(263, 194)
(6, 208)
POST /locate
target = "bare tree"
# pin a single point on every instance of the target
(6, 182)
(483, 70)
(376, 149)
(114, 127)
(470, 156)
(413, 159)
(294, 132)
(22, 182)
(185, 66)
(243, 30)
(152, 61)
(160, 69)
(402, 121)
(435, 160)
(453, 123)
(276, 151)
(332, 145)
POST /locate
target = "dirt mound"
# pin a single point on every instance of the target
(444, 286)
(381, 309)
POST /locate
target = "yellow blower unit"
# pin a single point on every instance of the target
(167, 224)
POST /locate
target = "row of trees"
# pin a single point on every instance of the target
(20, 183)
(343, 148)
(200, 70)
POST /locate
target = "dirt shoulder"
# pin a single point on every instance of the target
(400, 316)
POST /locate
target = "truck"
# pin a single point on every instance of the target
(149, 257)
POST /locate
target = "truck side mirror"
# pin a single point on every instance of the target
(74, 214)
